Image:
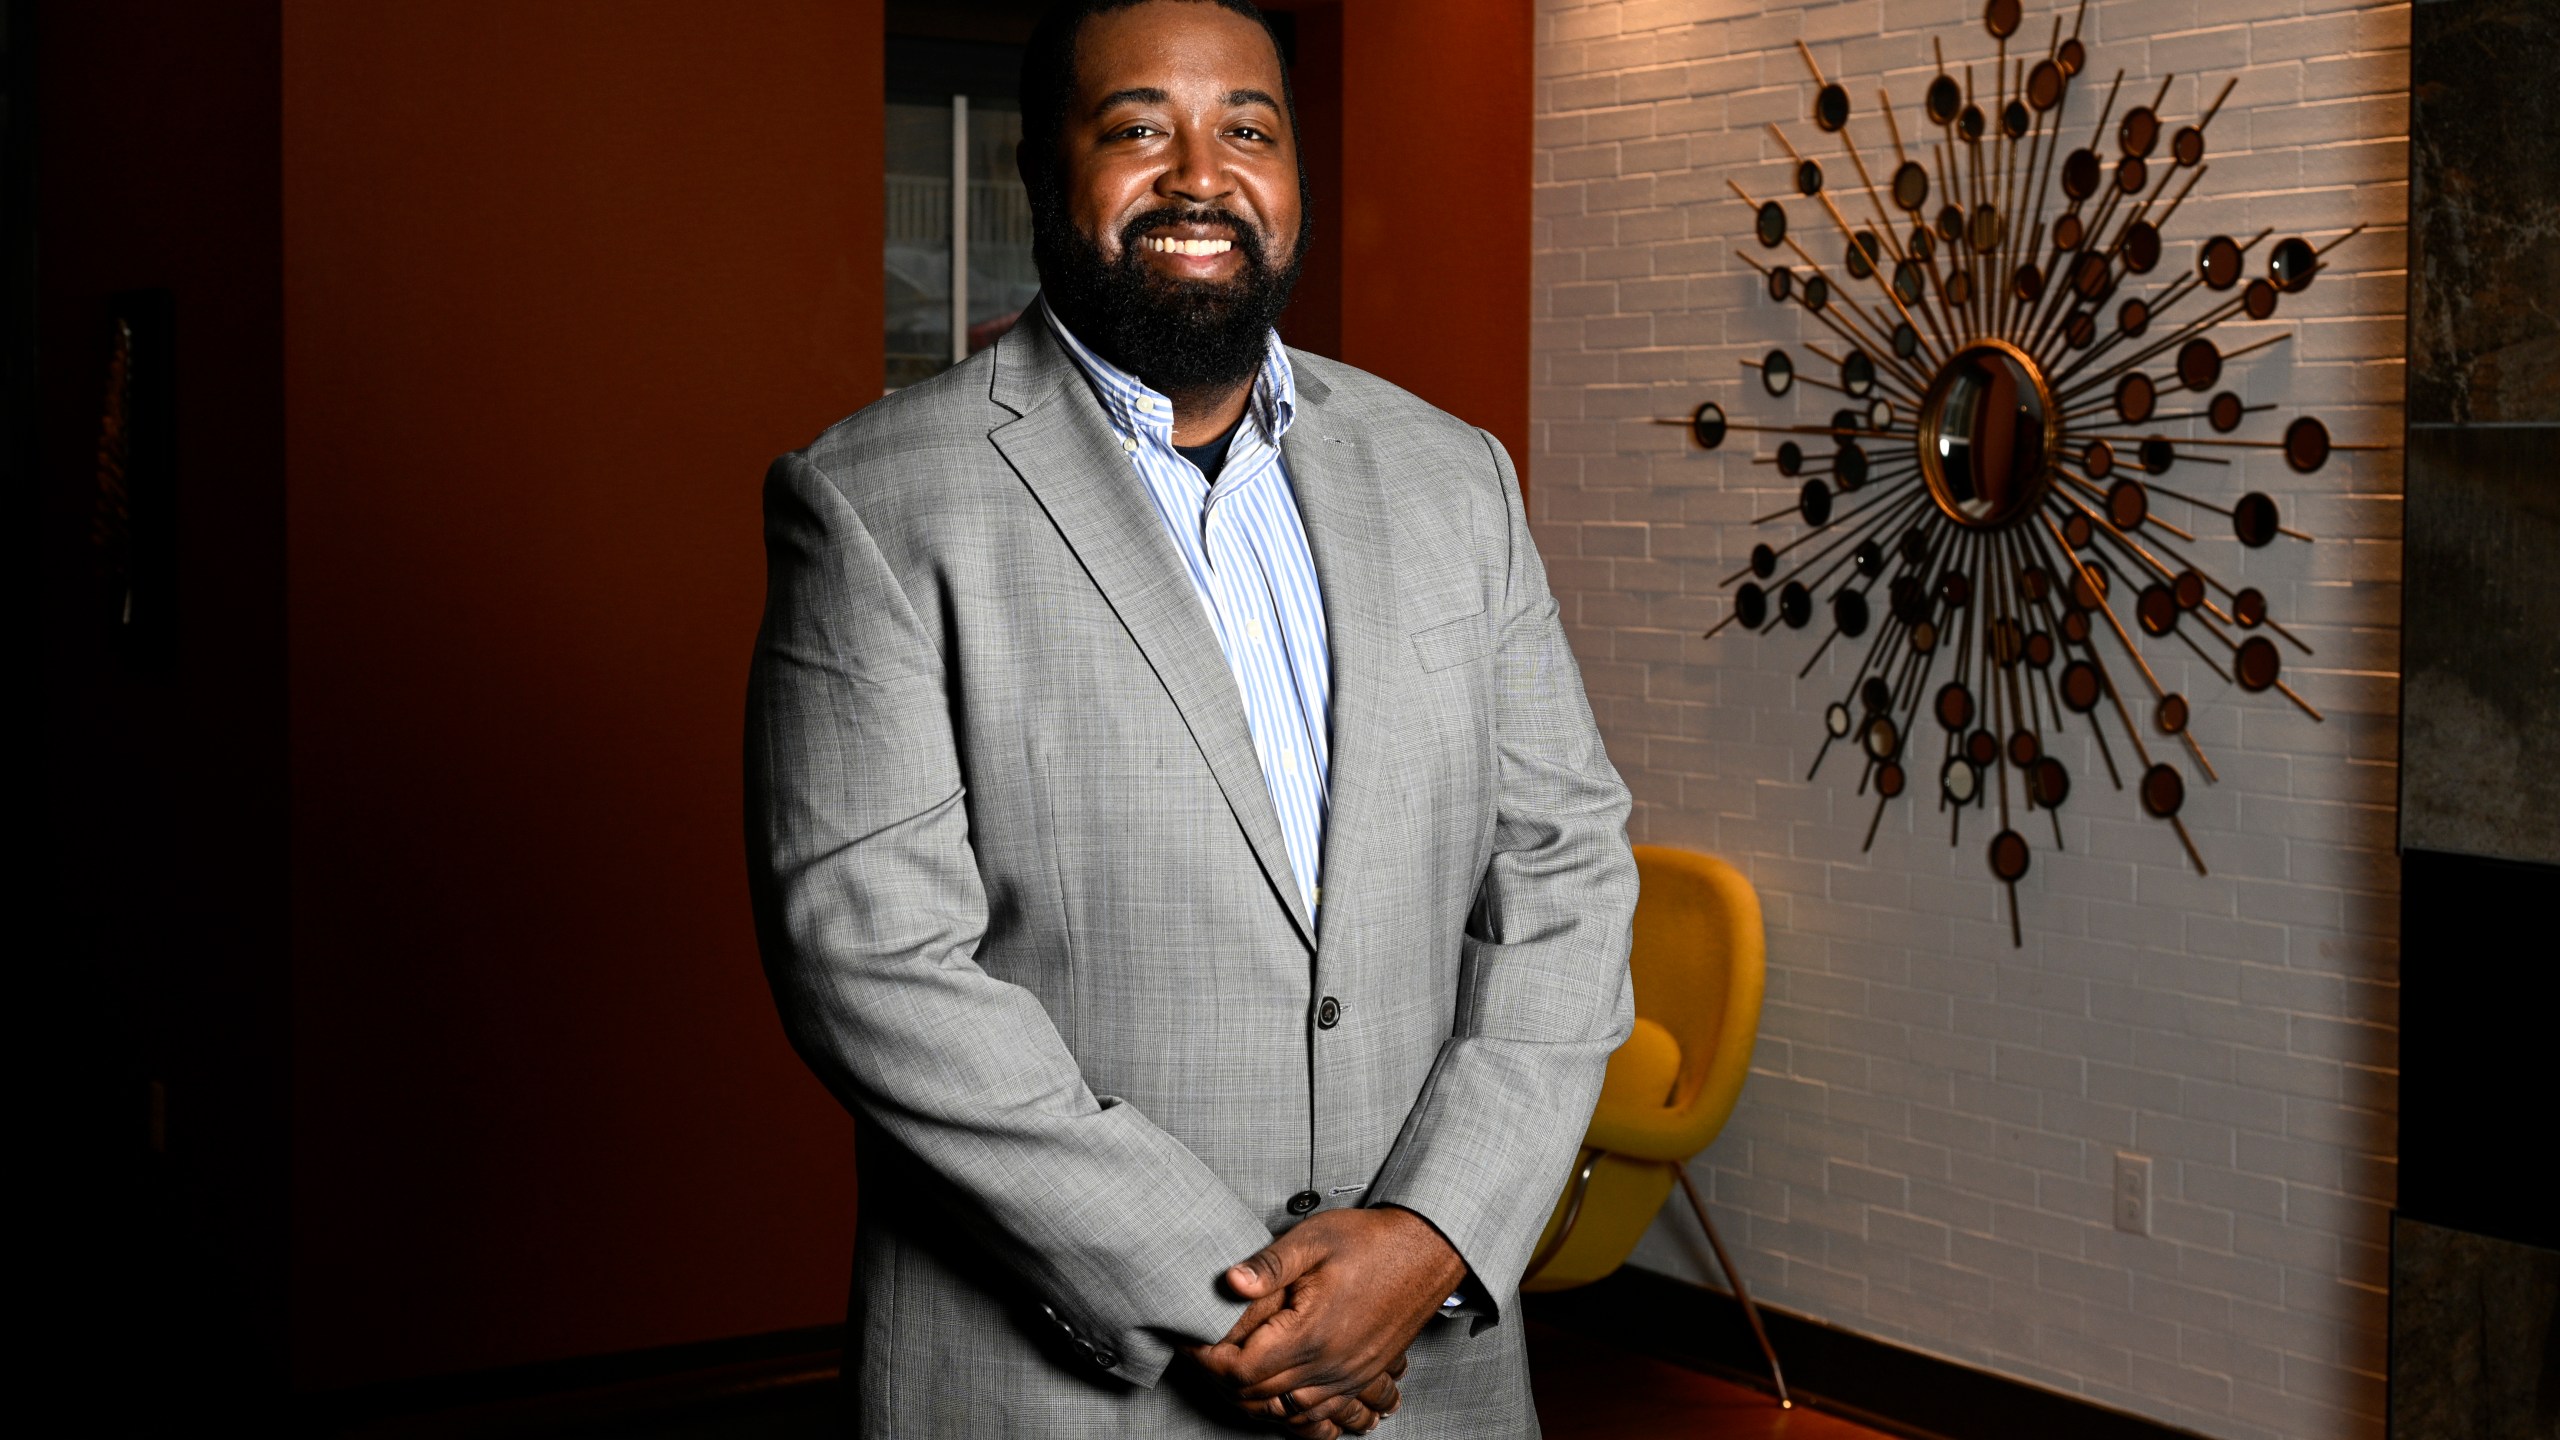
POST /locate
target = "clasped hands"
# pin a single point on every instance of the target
(1331, 1306)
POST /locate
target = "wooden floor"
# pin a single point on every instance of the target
(1589, 1391)
(1586, 1391)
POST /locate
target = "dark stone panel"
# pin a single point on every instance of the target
(2480, 701)
(2470, 1054)
(2475, 1336)
(2484, 211)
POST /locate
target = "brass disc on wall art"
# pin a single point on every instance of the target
(1993, 510)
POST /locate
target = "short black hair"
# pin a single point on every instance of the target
(1049, 70)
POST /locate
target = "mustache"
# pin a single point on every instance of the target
(1248, 239)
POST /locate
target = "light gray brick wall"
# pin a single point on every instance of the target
(1927, 1143)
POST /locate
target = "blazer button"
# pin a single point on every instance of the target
(1328, 1014)
(1304, 1201)
(1106, 1357)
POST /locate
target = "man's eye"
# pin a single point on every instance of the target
(1137, 132)
(1251, 132)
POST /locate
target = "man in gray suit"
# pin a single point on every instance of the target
(1176, 825)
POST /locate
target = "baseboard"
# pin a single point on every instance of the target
(1877, 1383)
(566, 1395)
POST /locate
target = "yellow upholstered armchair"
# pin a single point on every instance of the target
(1698, 965)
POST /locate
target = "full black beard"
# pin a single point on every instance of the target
(1182, 337)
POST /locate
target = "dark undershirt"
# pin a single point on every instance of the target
(1211, 457)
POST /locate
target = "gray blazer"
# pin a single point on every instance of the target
(1026, 910)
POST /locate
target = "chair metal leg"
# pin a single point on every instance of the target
(1576, 1190)
(1750, 1311)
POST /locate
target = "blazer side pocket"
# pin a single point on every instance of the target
(1454, 642)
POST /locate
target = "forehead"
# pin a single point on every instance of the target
(1174, 45)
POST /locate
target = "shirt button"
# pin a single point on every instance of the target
(1304, 1201)
(1328, 1014)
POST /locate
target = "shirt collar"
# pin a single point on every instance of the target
(1141, 414)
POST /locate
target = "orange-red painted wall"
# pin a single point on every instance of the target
(1435, 144)
(490, 314)
(559, 279)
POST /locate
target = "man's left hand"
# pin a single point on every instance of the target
(1332, 1303)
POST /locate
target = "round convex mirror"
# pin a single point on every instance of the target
(1751, 606)
(2254, 520)
(1777, 373)
(2141, 247)
(1808, 178)
(1987, 227)
(1831, 107)
(1772, 224)
(2199, 363)
(2044, 85)
(2080, 174)
(1857, 373)
(2139, 132)
(1817, 293)
(1986, 436)
(1849, 464)
(2292, 265)
(1911, 186)
(1782, 282)
(2306, 444)
(1946, 97)
(2135, 395)
(1708, 425)
(2219, 262)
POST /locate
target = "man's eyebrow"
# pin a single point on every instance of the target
(1135, 95)
(1152, 95)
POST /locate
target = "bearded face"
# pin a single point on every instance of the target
(1168, 219)
(1181, 334)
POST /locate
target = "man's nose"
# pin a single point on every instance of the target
(1196, 174)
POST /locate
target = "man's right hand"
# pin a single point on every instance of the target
(1331, 1418)
(1332, 1304)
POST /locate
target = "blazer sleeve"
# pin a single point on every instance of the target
(870, 910)
(1543, 995)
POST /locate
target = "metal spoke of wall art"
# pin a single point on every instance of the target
(1998, 458)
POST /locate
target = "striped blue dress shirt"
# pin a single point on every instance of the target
(1246, 551)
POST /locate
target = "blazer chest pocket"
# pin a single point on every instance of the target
(1441, 644)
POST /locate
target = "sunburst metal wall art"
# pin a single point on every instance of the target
(2000, 446)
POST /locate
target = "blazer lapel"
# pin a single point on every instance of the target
(1074, 465)
(1350, 534)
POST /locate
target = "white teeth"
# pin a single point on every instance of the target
(1166, 245)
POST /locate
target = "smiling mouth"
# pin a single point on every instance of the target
(1173, 245)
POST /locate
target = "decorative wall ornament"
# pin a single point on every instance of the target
(2005, 394)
